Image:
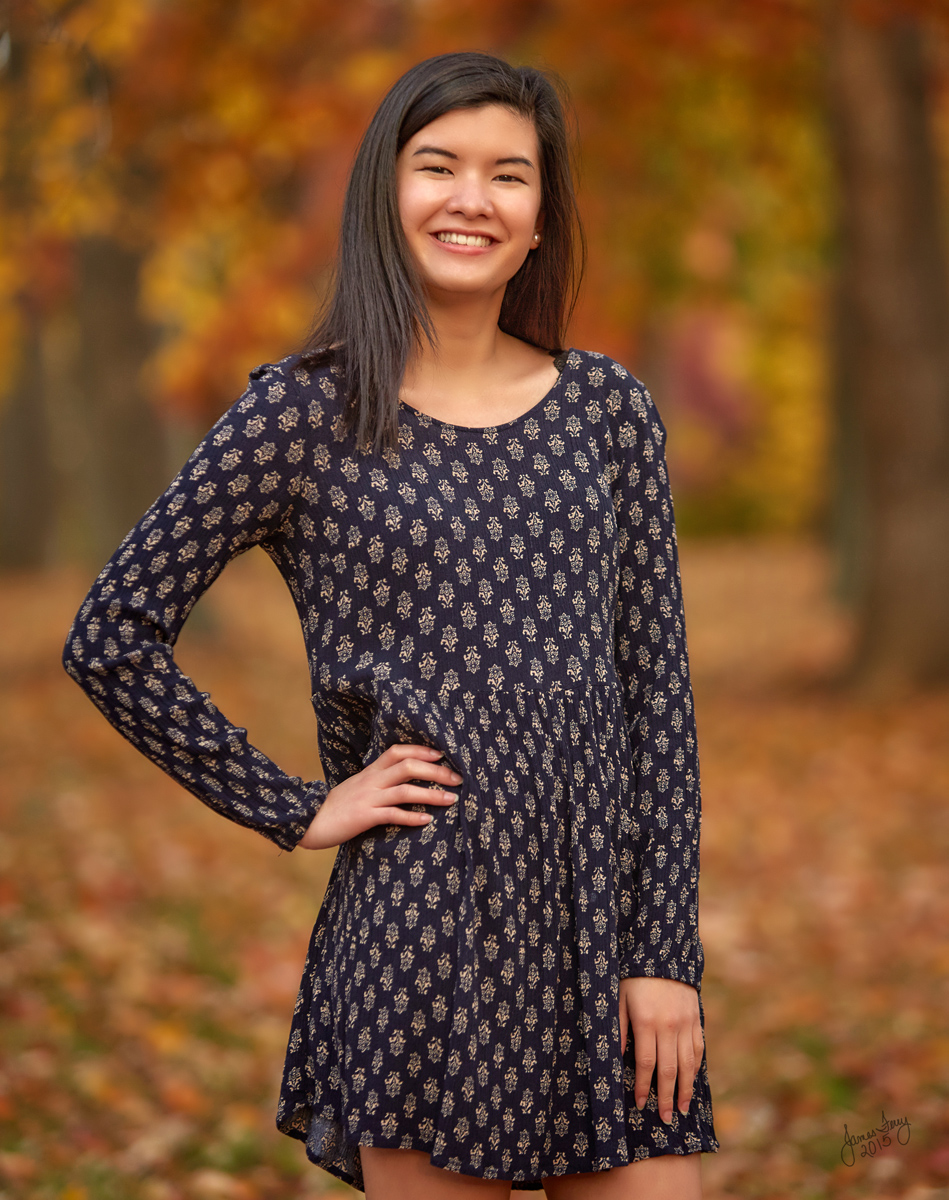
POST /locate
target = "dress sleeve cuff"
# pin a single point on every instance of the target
(287, 832)
(636, 962)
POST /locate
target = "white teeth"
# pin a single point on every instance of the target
(463, 239)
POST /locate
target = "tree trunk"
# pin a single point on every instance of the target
(892, 352)
(26, 470)
(83, 452)
(125, 443)
(27, 479)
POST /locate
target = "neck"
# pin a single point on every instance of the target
(475, 375)
(467, 337)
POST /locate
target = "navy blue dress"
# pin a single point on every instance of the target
(511, 596)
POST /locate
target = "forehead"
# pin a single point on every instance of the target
(489, 127)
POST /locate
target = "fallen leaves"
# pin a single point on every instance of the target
(152, 951)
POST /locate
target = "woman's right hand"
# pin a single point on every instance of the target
(372, 796)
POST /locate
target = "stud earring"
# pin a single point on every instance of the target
(536, 237)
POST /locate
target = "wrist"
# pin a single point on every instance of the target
(313, 837)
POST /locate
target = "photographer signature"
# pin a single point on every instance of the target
(874, 1139)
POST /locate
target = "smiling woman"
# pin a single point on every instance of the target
(479, 110)
(503, 982)
(469, 193)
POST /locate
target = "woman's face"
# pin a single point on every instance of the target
(469, 192)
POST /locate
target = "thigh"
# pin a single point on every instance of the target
(663, 1177)
(409, 1173)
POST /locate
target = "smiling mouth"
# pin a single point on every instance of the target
(464, 239)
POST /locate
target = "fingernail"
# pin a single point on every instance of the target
(667, 1115)
(456, 776)
(426, 817)
(450, 796)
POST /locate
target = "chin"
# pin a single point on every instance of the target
(462, 287)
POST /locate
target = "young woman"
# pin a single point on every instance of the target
(503, 982)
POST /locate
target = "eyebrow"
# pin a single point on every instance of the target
(498, 162)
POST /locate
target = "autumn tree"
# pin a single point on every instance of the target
(213, 140)
(81, 437)
(891, 345)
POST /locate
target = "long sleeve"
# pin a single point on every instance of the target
(659, 859)
(238, 489)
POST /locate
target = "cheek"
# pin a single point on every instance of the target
(527, 209)
(529, 217)
(404, 201)
(408, 200)
(417, 200)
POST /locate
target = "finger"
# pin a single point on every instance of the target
(402, 816)
(698, 1054)
(687, 1069)
(623, 1025)
(401, 750)
(413, 768)
(423, 757)
(645, 1063)
(667, 1065)
(408, 793)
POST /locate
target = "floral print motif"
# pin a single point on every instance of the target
(511, 596)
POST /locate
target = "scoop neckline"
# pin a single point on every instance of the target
(542, 403)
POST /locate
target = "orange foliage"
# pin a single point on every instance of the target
(218, 136)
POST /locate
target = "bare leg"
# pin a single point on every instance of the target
(665, 1177)
(409, 1174)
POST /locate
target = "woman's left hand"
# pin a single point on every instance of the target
(667, 1031)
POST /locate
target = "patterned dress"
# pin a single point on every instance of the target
(509, 595)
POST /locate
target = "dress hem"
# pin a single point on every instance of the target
(708, 1146)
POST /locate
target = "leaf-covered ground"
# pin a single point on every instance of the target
(151, 950)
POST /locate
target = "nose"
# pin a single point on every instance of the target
(470, 197)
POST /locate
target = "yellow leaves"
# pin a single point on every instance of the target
(52, 74)
(110, 28)
(180, 1095)
(708, 252)
(728, 1119)
(788, 471)
(155, 1145)
(224, 178)
(167, 1037)
(177, 286)
(215, 1185)
(240, 106)
(744, 399)
(311, 123)
(10, 329)
(95, 1080)
(369, 73)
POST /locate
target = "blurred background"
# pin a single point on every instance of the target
(764, 188)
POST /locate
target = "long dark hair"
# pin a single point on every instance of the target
(376, 314)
